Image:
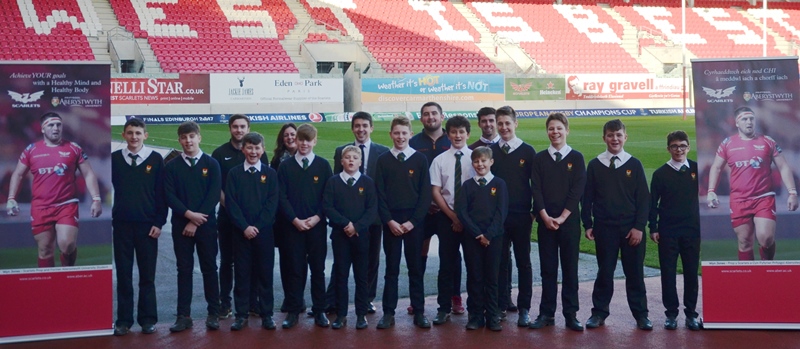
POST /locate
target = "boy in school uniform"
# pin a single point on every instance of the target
(230, 155)
(302, 183)
(675, 227)
(404, 195)
(616, 204)
(361, 125)
(252, 202)
(351, 205)
(558, 181)
(482, 208)
(513, 163)
(137, 173)
(192, 185)
(448, 172)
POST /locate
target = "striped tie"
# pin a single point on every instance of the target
(133, 159)
(192, 161)
(305, 163)
(506, 148)
(351, 181)
(612, 165)
(482, 181)
(457, 179)
(684, 168)
(558, 156)
(401, 157)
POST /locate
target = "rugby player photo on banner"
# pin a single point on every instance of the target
(55, 166)
(747, 117)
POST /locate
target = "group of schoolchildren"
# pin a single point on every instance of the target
(480, 199)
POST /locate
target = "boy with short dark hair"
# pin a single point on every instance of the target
(448, 172)
(615, 208)
(302, 182)
(675, 227)
(252, 201)
(192, 185)
(137, 173)
(482, 208)
(351, 205)
(404, 195)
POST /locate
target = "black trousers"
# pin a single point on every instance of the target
(306, 250)
(560, 245)
(483, 269)
(517, 233)
(610, 242)
(375, 232)
(225, 230)
(393, 246)
(688, 248)
(253, 265)
(131, 239)
(347, 252)
(205, 240)
(449, 262)
(281, 228)
(431, 226)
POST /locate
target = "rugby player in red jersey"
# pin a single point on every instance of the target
(750, 157)
(53, 162)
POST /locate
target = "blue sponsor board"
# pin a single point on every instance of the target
(532, 114)
(223, 118)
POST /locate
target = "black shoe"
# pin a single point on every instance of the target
(290, 321)
(475, 322)
(441, 318)
(330, 309)
(225, 312)
(595, 321)
(385, 322)
(573, 323)
(268, 323)
(503, 316)
(121, 330)
(542, 321)
(181, 323)
(341, 321)
(494, 325)
(524, 318)
(361, 322)
(694, 324)
(239, 324)
(310, 313)
(321, 320)
(421, 321)
(212, 322)
(371, 309)
(511, 307)
(149, 329)
(671, 323)
(643, 323)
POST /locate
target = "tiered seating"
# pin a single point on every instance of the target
(319, 37)
(47, 30)
(571, 38)
(785, 22)
(202, 36)
(324, 16)
(405, 38)
(732, 35)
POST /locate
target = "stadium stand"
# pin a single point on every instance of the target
(410, 36)
(561, 37)
(206, 37)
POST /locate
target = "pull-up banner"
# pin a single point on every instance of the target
(748, 117)
(55, 258)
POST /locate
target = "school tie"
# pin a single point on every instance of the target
(305, 163)
(506, 148)
(252, 169)
(613, 165)
(192, 161)
(457, 178)
(133, 159)
(362, 158)
(558, 156)
(401, 157)
(482, 182)
(684, 168)
(351, 181)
